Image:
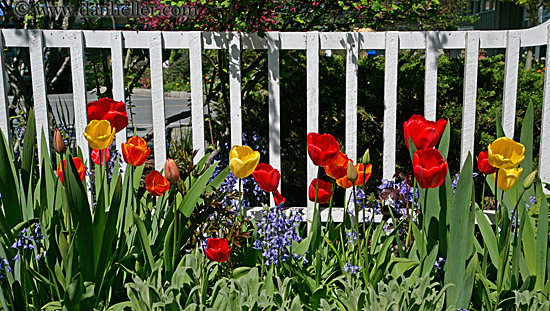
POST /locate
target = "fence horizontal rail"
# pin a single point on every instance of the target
(312, 42)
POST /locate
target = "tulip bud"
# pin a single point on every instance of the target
(528, 181)
(366, 157)
(58, 142)
(352, 172)
(171, 171)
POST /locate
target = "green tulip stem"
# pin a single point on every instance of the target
(175, 245)
(355, 209)
(240, 199)
(506, 245)
(411, 215)
(496, 205)
(424, 208)
(68, 213)
(483, 193)
(330, 202)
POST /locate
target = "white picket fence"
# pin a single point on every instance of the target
(312, 42)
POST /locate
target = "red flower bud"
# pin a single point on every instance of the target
(430, 169)
(171, 171)
(267, 177)
(110, 110)
(105, 155)
(322, 149)
(58, 142)
(216, 249)
(424, 134)
(483, 164)
(156, 184)
(324, 193)
(80, 168)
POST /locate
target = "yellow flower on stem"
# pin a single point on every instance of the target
(505, 153)
(243, 161)
(99, 134)
(507, 178)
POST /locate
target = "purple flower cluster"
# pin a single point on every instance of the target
(532, 200)
(439, 263)
(352, 237)
(406, 191)
(276, 233)
(456, 178)
(30, 240)
(301, 257)
(4, 267)
(349, 268)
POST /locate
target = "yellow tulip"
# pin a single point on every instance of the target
(508, 178)
(243, 161)
(99, 134)
(505, 153)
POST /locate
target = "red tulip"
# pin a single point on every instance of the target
(80, 168)
(324, 193)
(338, 168)
(430, 169)
(216, 250)
(322, 149)
(135, 151)
(110, 110)
(278, 198)
(424, 134)
(267, 177)
(105, 155)
(483, 164)
(156, 184)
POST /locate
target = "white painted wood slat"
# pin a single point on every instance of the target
(157, 97)
(274, 46)
(4, 89)
(312, 125)
(544, 157)
(117, 63)
(430, 81)
(197, 110)
(78, 64)
(510, 82)
(36, 51)
(352, 71)
(390, 104)
(235, 89)
(79, 92)
(470, 96)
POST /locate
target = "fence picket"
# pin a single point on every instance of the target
(470, 96)
(390, 103)
(273, 48)
(312, 125)
(544, 157)
(117, 63)
(79, 92)
(197, 110)
(352, 70)
(235, 89)
(4, 88)
(36, 51)
(157, 97)
(78, 61)
(510, 82)
(430, 85)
